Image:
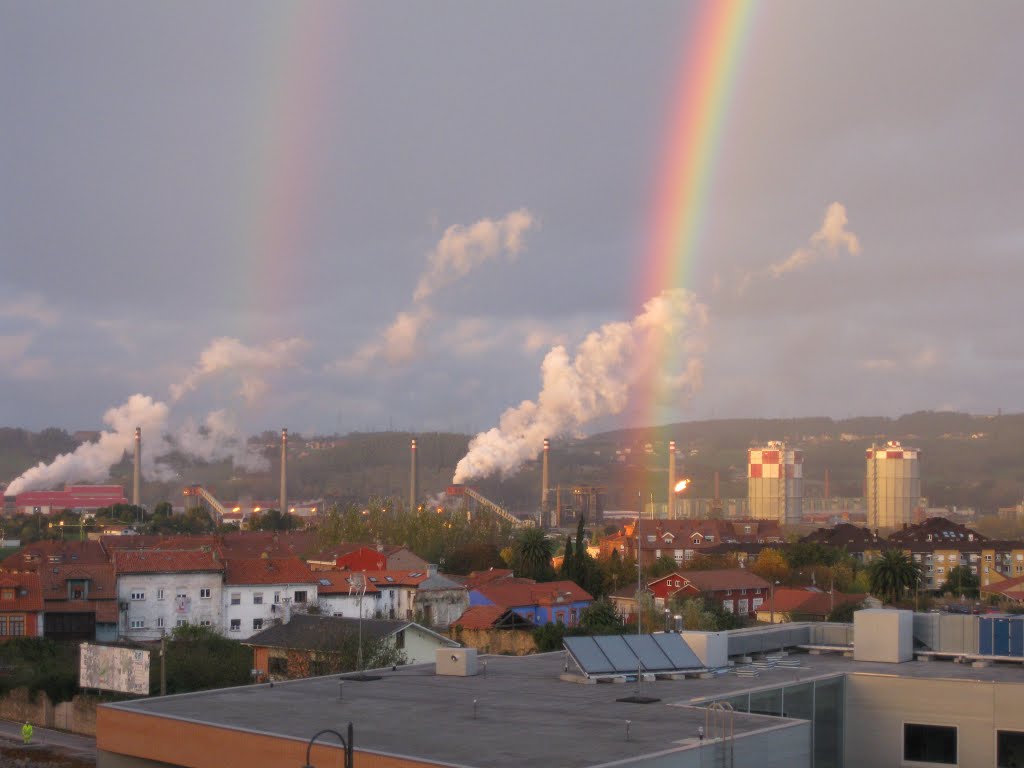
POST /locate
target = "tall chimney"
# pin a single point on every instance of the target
(413, 466)
(137, 471)
(827, 496)
(717, 497)
(284, 471)
(670, 512)
(544, 482)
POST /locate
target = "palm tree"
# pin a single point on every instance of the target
(892, 574)
(531, 555)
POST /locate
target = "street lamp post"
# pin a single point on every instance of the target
(771, 599)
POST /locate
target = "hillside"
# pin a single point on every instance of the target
(966, 460)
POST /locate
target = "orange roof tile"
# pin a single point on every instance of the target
(161, 561)
(480, 617)
(267, 570)
(340, 583)
(27, 594)
(724, 580)
(809, 602)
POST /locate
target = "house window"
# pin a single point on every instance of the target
(236, 625)
(182, 623)
(204, 593)
(236, 598)
(78, 589)
(138, 595)
(709, 539)
(16, 625)
(205, 623)
(940, 570)
(988, 558)
(300, 596)
(727, 606)
(277, 665)
(160, 594)
(743, 607)
(1009, 748)
(137, 624)
(159, 622)
(930, 743)
(277, 598)
(7, 593)
(400, 639)
(757, 602)
(257, 624)
(257, 598)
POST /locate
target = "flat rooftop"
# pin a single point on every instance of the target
(524, 714)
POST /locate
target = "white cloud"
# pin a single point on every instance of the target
(229, 354)
(828, 242)
(460, 250)
(15, 360)
(32, 307)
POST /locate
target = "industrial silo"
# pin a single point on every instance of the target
(775, 483)
(893, 485)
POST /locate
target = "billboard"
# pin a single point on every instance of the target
(114, 669)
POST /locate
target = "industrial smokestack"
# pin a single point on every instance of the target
(284, 471)
(717, 497)
(671, 511)
(544, 481)
(827, 495)
(137, 470)
(413, 467)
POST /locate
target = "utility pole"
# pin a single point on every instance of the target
(163, 662)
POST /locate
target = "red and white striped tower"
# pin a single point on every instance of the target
(671, 511)
(544, 483)
(284, 472)
(413, 471)
(137, 470)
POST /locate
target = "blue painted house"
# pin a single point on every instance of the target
(540, 603)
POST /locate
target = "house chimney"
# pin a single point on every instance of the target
(284, 472)
(544, 482)
(671, 511)
(413, 466)
(137, 471)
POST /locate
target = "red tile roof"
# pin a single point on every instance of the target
(267, 570)
(27, 592)
(515, 593)
(480, 617)
(387, 579)
(724, 580)
(476, 578)
(160, 561)
(46, 554)
(808, 602)
(340, 583)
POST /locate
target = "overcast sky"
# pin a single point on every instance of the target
(363, 215)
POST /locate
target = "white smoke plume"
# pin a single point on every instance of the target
(216, 439)
(91, 462)
(229, 354)
(832, 238)
(596, 382)
(459, 251)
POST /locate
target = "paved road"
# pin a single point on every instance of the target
(80, 745)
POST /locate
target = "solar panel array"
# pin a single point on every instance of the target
(626, 654)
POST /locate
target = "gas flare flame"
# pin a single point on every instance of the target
(682, 485)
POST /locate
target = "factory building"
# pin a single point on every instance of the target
(893, 485)
(775, 483)
(78, 498)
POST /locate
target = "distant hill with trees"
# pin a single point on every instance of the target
(967, 461)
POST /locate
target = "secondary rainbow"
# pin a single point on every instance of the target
(717, 37)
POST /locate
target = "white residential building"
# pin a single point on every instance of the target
(259, 591)
(158, 590)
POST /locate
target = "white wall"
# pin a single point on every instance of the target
(161, 611)
(272, 605)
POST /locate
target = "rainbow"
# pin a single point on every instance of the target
(717, 36)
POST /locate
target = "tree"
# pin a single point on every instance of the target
(663, 566)
(771, 566)
(961, 582)
(568, 570)
(531, 555)
(199, 658)
(601, 618)
(843, 613)
(892, 574)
